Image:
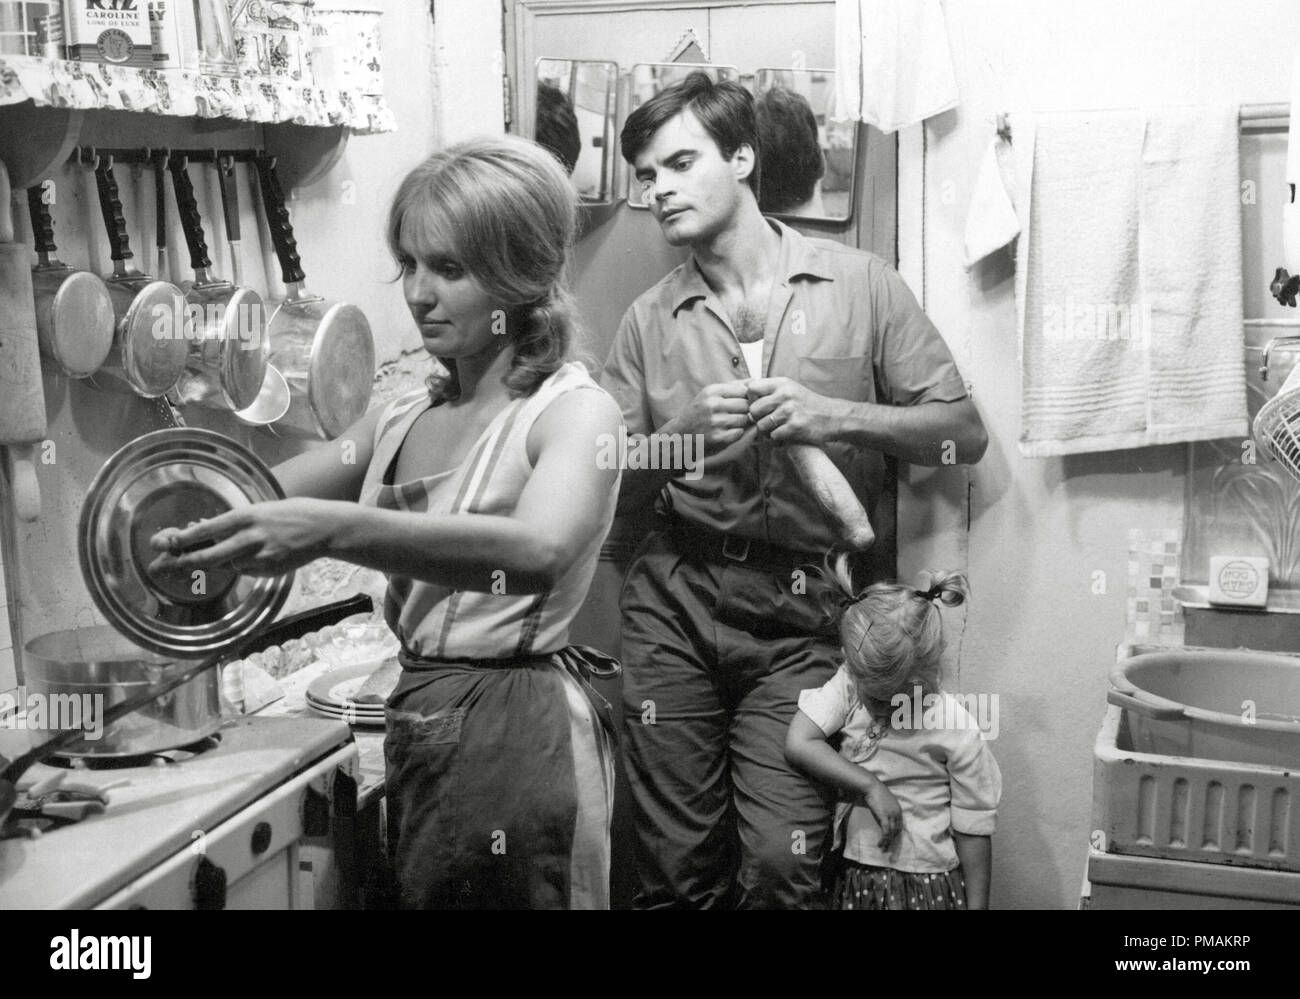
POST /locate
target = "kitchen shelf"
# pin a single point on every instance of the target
(88, 86)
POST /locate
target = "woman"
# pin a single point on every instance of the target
(483, 501)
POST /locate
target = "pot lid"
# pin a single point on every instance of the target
(342, 370)
(170, 478)
(82, 319)
(155, 336)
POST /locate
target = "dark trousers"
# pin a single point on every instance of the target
(715, 655)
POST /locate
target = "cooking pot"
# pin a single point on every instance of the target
(99, 663)
(169, 681)
(74, 313)
(153, 330)
(1211, 704)
(325, 350)
(228, 359)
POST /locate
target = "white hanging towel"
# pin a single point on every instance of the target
(991, 221)
(892, 63)
(1128, 280)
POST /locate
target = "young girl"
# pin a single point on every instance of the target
(942, 774)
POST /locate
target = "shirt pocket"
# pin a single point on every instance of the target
(838, 377)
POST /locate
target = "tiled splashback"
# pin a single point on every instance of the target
(1152, 615)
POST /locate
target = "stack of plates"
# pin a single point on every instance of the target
(331, 695)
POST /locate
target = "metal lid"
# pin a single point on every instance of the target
(246, 353)
(155, 335)
(341, 373)
(82, 320)
(171, 478)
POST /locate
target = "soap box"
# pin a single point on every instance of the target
(1239, 581)
(111, 31)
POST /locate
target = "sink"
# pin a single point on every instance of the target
(1181, 808)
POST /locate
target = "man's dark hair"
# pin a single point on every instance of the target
(792, 154)
(557, 126)
(726, 110)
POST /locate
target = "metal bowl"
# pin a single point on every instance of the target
(171, 478)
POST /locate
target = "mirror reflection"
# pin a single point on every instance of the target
(575, 105)
(806, 157)
(648, 79)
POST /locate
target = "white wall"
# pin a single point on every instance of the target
(443, 82)
(1036, 632)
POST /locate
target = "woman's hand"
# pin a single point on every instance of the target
(264, 539)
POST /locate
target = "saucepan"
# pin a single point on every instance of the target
(228, 359)
(324, 349)
(152, 337)
(74, 313)
(154, 684)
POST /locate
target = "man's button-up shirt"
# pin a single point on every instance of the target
(842, 323)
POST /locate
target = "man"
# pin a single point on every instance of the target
(760, 339)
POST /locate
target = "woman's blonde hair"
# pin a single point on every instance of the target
(892, 634)
(507, 213)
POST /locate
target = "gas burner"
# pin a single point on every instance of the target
(161, 758)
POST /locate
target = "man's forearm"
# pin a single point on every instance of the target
(931, 433)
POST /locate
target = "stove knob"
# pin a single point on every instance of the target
(261, 838)
(209, 886)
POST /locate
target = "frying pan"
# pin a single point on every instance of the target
(227, 363)
(150, 344)
(324, 349)
(276, 634)
(74, 313)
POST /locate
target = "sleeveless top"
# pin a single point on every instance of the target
(435, 621)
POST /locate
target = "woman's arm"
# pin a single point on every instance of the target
(526, 552)
(807, 749)
(335, 470)
(976, 856)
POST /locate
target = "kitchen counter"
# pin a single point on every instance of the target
(370, 740)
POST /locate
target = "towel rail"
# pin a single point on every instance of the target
(1253, 117)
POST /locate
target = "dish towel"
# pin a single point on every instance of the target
(991, 221)
(892, 63)
(1128, 280)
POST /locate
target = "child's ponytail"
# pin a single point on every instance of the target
(950, 588)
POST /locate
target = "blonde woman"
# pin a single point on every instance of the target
(483, 501)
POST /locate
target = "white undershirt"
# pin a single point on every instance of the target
(753, 353)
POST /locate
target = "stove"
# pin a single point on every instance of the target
(249, 818)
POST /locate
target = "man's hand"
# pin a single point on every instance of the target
(788, 413)
(720, 413)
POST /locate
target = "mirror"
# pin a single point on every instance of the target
(574, 118)
(648, 79)
(807, 158)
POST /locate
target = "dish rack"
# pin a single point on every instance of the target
(1179, 808)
